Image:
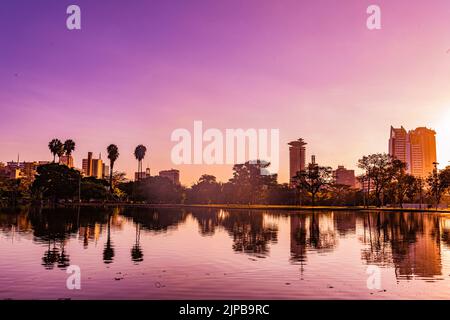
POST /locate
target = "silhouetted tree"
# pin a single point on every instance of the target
(251, 181)
(113, 155)
(56, 182)
(56, 147)
(313, 179)
(381, 170)
(139, 154)
(69, 147)
(439, 183)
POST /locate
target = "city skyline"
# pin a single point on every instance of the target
(144, 71)
(298, 157)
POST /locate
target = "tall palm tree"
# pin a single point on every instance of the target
(113, 154)
(69, 147)
(55, 147)
(139, 153)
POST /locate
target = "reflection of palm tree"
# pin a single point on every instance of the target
(63, 258)
(136, 252)
(108, 252)
(50, 257)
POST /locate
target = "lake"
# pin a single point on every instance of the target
(143, 253)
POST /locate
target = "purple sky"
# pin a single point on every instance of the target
(140, 69)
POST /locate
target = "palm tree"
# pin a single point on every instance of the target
(139, 153)
(113, 154)
(55, 147)
(69, 147)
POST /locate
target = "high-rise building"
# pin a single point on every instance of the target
(172, 174)
(422, 146)
(345, 177)
(92, 167)
(297, 157)
(417, 148)
(398, 144)
(105, 171)
(97, 168)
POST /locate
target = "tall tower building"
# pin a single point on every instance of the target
(93, 167)
(398, 144)
(297, 157)
(422, 146)
(417, 148)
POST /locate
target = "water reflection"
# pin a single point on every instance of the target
(408, 241)
(412, 243)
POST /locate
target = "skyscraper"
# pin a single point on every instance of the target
(417, 148)
(93, 167)
(422, 146)
(398, 144)
(297, 157)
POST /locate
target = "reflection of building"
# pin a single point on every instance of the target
(297, 157)
(417, 148)
(173, 175)
(93, 167)
(142, 175)
(411, 241)
(423, 256)
(345, 177)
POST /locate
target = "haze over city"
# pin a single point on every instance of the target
(135, 73)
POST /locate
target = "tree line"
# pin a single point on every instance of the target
(384, 181)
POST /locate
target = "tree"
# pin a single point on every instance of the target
(407, 186)
(439, 183)
(313, 179)
(158, 190)
(251, 181)
(381, 170)
(69, 147)
(93, 189)
(56, 148)
(139, 154)
(55, 182)
(113, 155)
(206, 190)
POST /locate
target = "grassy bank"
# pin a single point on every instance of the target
(260, 207)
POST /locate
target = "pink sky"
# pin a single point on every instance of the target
(135, 72)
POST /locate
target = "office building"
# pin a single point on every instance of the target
(417, 148)
(297, 157)
(92, 167)
(172, 174)
(345, 177)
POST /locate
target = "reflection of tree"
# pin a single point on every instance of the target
(250, 234)
(408, 241)
(156, 220)
(208, 220)
(51, 256)
(108, 251)
(136, 252)
(311, 231)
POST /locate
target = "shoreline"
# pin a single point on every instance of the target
(254, 207)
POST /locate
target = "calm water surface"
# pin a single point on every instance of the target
(136, 253)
